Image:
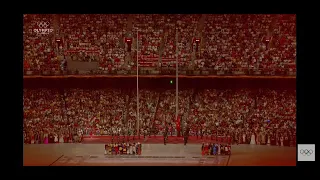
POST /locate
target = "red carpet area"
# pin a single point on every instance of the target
(154, 139)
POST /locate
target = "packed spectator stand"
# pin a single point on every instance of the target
(203, 44)
(234, 43)
(67, 114)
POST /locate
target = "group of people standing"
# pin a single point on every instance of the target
(261, 138)
(124, 148)
(215, 149)
(47, 137)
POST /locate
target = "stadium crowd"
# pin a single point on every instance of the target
(38, 49)
(263, 116)
(250, 41)
(255, 42)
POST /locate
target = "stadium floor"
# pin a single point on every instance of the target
(156, 155)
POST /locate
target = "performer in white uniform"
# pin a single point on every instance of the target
(253, 139)
(281, 140)
(61, 140)
(131, 149)
(55, 138)
(134, 149)
(269, 141)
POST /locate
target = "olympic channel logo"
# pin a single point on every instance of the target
(43, 24)
(43, 28)
(306, 152)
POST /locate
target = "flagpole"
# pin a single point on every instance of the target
(137, 66)
(177, 92)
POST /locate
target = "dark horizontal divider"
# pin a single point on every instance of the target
(159, 82)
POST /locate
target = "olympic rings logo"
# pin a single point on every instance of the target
(43, 24)
(306, 152)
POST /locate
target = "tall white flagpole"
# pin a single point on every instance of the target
(138, 119)
(177, 92)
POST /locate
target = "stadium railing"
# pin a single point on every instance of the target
(172, 71)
